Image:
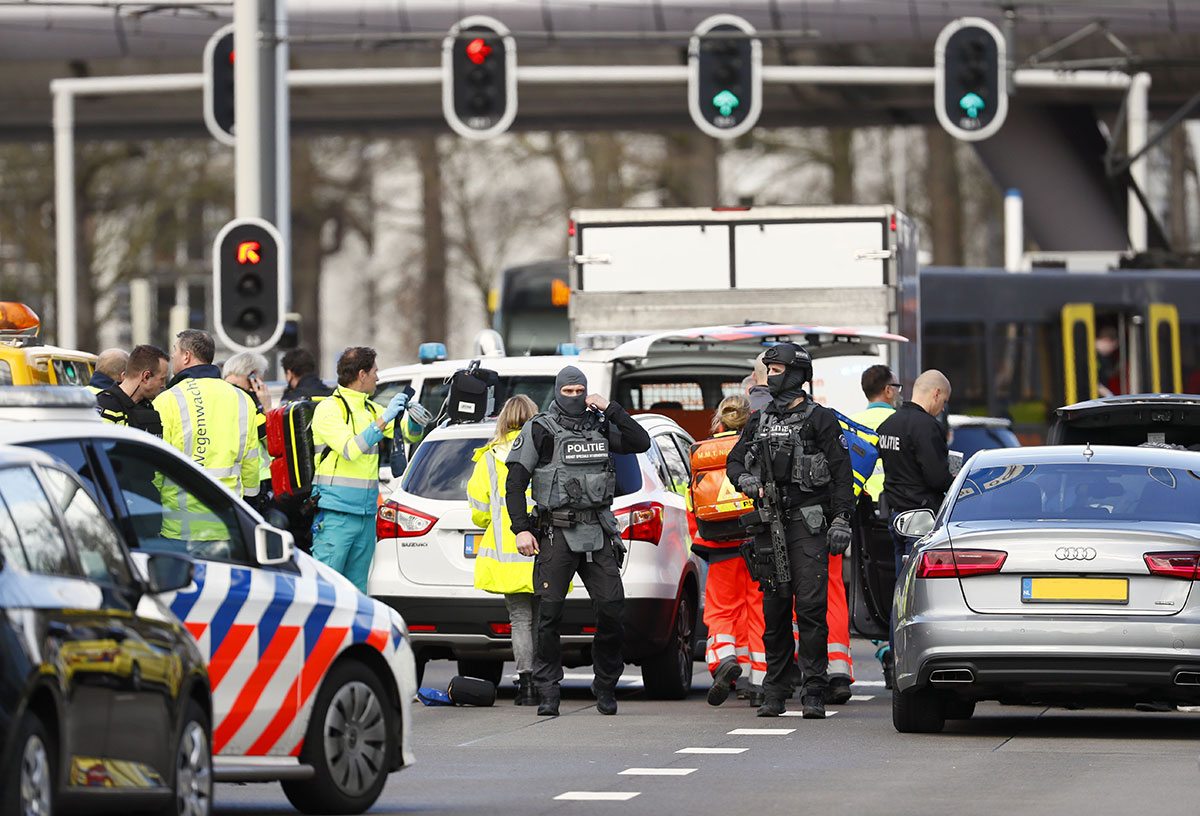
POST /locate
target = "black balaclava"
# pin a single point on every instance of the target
(788, 386)
(571, 406)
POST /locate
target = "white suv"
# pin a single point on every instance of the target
(424, 562)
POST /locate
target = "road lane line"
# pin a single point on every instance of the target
(862, 698)
(872, 683)
(597, 796)
(657, 771)
(768, 732)
(801, 714)
(712, 750)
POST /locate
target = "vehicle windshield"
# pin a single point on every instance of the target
(1079, 492)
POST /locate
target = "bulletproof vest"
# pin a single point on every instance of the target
(579, 477)
(793, 452)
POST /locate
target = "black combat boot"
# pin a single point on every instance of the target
(813, 705)
(548, 707)
(838, 692)
(755, 696)
(526, 695)
(772, 707)
(723, 678)
(606, 699)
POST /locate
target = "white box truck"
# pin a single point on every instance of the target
(640, 271)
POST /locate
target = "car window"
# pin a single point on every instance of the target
(384, 393)
(96, 542)
(441, 469)
(71, 453)
(685, 450)
(71, 372)
(43, 542)
(1078, 492)
(660, 466)
(675, 465)
(969, 439)
(6, 377)
(173, 507)
(10, 542)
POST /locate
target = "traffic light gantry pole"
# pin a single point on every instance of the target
(66, 90)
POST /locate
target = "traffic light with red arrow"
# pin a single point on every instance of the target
(249, 281)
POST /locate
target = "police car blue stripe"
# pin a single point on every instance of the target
(239, 588)
(184, 602)
(285, 593)
(326, 597)
(363, 618)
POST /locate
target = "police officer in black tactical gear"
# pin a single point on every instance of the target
(811, 467)
(567, 452)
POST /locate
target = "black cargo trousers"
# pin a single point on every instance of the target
(806, 593)
(553, 568)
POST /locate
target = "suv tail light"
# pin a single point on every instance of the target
(960, 563)
(1173, 565)
(643, 521)
(397, 521)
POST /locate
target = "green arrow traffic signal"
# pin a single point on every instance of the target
(725, 102)
(972, 103)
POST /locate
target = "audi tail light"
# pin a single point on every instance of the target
(960, 563)
(397, 521)
(642, 521)
(1173, 565)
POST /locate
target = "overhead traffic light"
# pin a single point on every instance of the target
(249, 282)
(971, 79)
(479, 77)
(218, 85)
(724, 76)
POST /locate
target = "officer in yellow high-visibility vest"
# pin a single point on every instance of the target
(212, 422)
(347, 428)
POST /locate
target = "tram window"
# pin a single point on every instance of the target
(1023, 381)
(957, 350)
(1189, 354)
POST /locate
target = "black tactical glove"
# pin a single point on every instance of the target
(749, 485)
(838, 536)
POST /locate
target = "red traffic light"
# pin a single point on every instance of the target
(478, 50)
(247, 252)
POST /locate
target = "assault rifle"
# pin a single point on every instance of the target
(768, 555)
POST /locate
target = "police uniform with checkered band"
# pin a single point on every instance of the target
(567, 453)
(811, 467)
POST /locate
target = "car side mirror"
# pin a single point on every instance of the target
(167, 572)
(914, 523)
(273, 546)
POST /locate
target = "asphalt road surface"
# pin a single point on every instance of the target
(686, 757)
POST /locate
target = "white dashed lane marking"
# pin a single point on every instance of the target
(765, 732)
(862, 698)
(597, 796)
(801, 714)
(657, 771)
(712, 750)
(873, 683)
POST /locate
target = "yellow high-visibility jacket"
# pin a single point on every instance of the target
(498, 565)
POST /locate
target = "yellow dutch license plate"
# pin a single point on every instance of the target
(471, 544)
(1075, 590)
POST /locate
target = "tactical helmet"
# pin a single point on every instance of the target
(791, 355)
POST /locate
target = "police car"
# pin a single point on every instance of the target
(312, 681)
(424, 562)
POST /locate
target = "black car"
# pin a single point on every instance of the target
(104, 696)
(1133, 419)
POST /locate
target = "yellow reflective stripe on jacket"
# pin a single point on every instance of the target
(209, 420)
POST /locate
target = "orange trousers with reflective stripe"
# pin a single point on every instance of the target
(733, 613)
(838, 619)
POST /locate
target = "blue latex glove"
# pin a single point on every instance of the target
(395, 407)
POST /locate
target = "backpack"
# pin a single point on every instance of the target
(290, 444)
(861, 443)
(717, 504)
(475, 393)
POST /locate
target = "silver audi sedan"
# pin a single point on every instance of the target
(1056, 575)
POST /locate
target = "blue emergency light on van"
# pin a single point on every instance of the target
(431, 352)
(568, 349)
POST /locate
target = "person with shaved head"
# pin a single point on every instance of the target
(916, 460)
